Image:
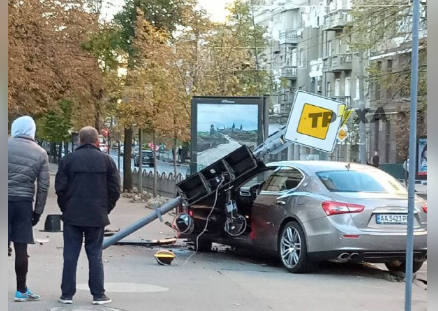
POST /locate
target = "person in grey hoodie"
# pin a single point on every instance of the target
(27, 163)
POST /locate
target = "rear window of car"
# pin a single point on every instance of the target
(360, 181)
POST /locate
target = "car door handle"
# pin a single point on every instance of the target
(281, 203)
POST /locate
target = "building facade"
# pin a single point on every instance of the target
(309, 52)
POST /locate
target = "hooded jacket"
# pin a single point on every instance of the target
(27, 163)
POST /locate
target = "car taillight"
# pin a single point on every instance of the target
(425, 207)
(335, 208)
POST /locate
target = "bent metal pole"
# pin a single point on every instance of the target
(142, 222)
(274, 143)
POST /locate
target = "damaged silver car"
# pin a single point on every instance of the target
(306, 212)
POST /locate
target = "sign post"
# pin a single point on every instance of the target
(412, 156)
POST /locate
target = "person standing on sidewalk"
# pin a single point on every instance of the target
(88, 186)
(376, 160)
(27, 163)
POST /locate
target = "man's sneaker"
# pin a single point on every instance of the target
(66, 300)
(27, 296)
(101, 300)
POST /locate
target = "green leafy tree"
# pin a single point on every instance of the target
(161, 14)
(57, 125)
(233, 48)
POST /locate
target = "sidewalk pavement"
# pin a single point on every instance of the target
(121, 262)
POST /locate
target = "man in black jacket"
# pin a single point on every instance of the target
(88, 186)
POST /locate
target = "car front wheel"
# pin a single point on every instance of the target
(293, 249)
(400, 265)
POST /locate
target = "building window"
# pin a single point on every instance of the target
(329, 90)
(294, 57)
(389, 70)
(302, 58)
(357, 88)
(338, 87)
(329, 48)
(377, 85)
(389, 65)
(347, 86)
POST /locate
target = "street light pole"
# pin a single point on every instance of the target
(412, 156)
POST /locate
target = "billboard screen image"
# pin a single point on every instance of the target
(221, 126)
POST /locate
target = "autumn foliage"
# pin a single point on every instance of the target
(47, 63)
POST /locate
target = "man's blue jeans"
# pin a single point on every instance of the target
(73, 238)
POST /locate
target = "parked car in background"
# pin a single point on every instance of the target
(306, 212)
(148, 158)
(134, 151)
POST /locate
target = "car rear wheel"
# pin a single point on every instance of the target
(293, 249)
(400, 265)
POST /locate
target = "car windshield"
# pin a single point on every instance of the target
(361, 181)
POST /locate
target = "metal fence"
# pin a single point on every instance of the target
(165, 182)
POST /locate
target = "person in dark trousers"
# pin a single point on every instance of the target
(88, 186)
(376, 160)
(27, 163)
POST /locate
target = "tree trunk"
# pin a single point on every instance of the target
(127, 173)
(53, 152)
(97, 120)
(140, 164)
(175, 156)
(154, 192)
(59, 152)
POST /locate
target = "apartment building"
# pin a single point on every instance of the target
(393, 60)
(309, 52)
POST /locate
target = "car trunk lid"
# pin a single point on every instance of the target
(383, 211)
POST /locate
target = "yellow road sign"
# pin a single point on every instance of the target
(343, 134)
(315, 121)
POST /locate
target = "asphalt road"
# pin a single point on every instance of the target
(211, 155)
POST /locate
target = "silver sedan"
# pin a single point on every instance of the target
(310, 211)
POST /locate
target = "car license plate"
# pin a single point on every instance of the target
(397, 219)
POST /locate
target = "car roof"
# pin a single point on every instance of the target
(313, 166)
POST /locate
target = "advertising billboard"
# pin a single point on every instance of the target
(422, 157)
(220, 125)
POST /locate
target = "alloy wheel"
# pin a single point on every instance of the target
(290, 247)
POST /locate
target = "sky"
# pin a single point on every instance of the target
(225, 115)
(216, 8)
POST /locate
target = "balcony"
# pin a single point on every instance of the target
(288, 36)
(344, 99)
(336, 20)
(289, 72)
(338, 63)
